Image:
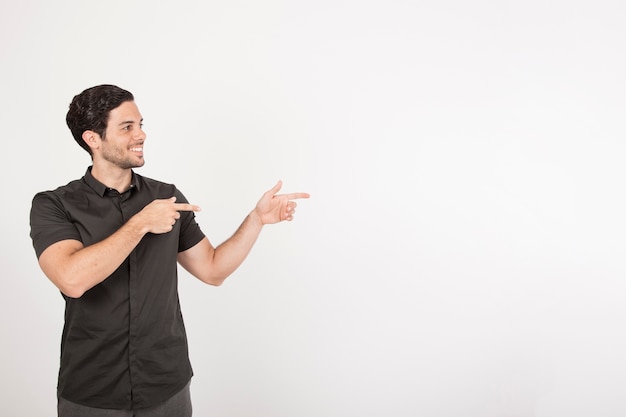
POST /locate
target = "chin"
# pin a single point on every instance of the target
(132, 164)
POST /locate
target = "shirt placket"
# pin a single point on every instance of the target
(133, 298)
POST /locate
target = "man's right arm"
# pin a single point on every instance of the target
(74, 268)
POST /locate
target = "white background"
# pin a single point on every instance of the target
(462, 251)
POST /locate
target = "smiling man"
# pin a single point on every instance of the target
(111, 242)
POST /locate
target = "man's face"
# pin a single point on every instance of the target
(123, 142)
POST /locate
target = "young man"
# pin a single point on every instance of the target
(111, 242)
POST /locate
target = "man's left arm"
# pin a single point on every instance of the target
(213, 265)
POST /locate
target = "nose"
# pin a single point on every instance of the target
(140, 134)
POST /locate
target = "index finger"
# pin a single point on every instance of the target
(186, 207)
(294, 196)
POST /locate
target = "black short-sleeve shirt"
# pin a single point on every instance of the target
(124, 343)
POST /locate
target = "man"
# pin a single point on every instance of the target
(111, 242)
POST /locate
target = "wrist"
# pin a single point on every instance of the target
(136, 227)
(256, 218)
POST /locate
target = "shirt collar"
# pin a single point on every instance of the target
(101, 189)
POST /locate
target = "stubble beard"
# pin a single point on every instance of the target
(116, 157)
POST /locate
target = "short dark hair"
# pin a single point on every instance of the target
(90, 110)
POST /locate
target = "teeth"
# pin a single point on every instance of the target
(136, 149)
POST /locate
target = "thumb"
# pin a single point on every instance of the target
(276, 188)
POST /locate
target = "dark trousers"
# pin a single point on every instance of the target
(177, 406)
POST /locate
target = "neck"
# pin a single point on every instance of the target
(113, 177)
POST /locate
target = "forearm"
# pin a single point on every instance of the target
(214, 265)
(231, 253)
(74, 269)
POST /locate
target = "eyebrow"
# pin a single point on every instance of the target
(129, 122)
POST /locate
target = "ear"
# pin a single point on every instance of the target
(92, 139)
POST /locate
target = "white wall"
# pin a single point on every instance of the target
(462, 252)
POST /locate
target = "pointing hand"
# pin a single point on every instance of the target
(274, 208)
(161, 215)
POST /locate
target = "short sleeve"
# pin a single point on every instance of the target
(49, 222)
(190, 232)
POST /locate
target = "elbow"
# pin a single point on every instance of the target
(70, 289)
(213, 280)
(72, 292)
(67, 280)
(212, 277)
